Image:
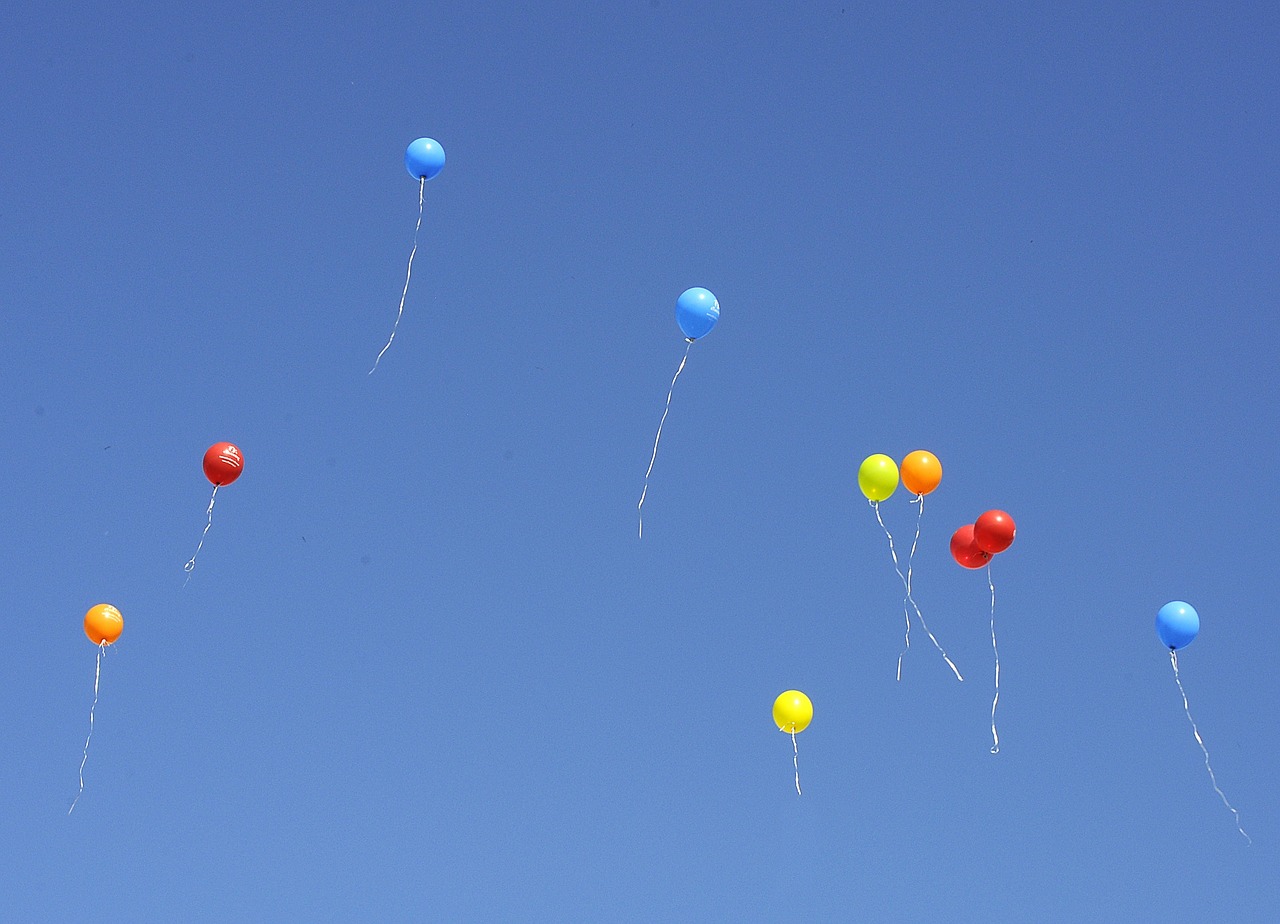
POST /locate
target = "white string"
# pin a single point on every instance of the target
(795, 760)
(640, 506)
(422, 185)
(906, 639)
(1173, 659)
(97, 673)
(191, 565)
(875, 505)
(995, 738)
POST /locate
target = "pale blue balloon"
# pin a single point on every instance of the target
(697, 312)
(424, 158)
(1177, 624)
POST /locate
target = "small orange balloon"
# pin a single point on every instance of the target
(103, 624)
(921, 472)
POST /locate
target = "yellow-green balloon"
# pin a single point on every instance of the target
(878, 477)
(792, 712)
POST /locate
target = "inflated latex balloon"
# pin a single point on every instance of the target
(921, 472)
(103, 624)
(697, 311)
(994, 531)
(792, 712)
(965, 551)
(424, 158)
(223, 463)
(878, 477)
(1177, 624)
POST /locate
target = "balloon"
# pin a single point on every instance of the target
(424, 158)
(103, 624)
(223, 463)
(697, 312)
(921, 472)
(1177, 624)
(878, 477)
(965, 551)
(994, 531)
(792, 712)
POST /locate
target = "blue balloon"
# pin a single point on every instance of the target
(424, 158)
(1177, 624)
(697, 312)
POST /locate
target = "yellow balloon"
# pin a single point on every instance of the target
(792, 712)
(878, 477)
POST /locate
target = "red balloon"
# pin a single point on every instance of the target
(965, 551)
(994, 531)
(223, 463)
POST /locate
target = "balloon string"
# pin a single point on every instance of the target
(906, 639)
(875, 505)
(97, 673)
(422, 185)
(191, 565)
(653, 458)
(995, 738)
(795, 760)
(1173, 659)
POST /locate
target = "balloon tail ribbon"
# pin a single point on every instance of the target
(653, 458)
(795, 760)
(97, 673)
(995, 737)
(906, 586)
(1173, 659)
(906, 639)
(422, 185)
(191, 565)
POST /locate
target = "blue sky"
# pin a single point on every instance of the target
(425, 670)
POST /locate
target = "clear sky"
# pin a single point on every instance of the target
(425, 670)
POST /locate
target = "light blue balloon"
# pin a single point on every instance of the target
(424, 158)
(1177, 624)
(697, 312)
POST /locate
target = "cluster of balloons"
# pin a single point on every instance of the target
(878, 475)
(223, 463)
(973, 546)
(921, 473)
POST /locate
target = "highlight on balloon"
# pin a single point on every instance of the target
(973, 546)
(223, 463)
(1177, 625)
(103, 625)
(423, 158)
(697, 312)
(878, 478)
(792, 713)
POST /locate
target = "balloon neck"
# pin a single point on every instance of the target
(689, 339)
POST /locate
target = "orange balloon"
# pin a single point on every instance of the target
(103, 624)
(921, 472)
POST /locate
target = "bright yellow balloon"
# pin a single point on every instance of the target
(878, 477)
(792, 712)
